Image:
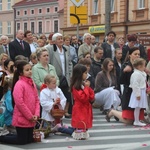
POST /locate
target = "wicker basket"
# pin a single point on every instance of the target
(57, 111)
(80, 134)
(42, 125)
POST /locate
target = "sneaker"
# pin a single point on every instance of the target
(139, 124)
(55, 129)
(4, 132)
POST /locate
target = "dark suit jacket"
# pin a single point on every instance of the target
(16, 49)
(107, 49)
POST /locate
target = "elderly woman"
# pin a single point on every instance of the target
(42, 68)
(60, 59)
(105, 87)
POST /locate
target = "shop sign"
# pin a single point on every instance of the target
(97, 29)
(144, 39)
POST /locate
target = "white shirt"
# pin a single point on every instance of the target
(32, 47)
(62, 59)
(113, 51)
(47, 98)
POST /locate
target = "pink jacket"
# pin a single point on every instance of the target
(26, 102)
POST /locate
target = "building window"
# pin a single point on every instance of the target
(40, 27)
(0, 28)
(95, 6)
(55, 26)
(25, 26)
(0, 4)
(141, 4)
(8, 4)
(32, 27)
(56, 9)
(18, 13)
(32, 11)
(25, 12)
(40, 11)
(18, 26)
(48, 10)
(112, 5)
(8, 27)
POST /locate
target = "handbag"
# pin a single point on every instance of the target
(63, 82)
(80, 134)
(57, 111)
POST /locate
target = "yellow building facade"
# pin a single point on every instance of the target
(127, 17)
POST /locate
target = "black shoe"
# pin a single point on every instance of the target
(107, 115)
(105, 111)
(67, 115)
(117, 119)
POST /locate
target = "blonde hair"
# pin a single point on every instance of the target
(33, 56)
(138, 62)
(66, 37)
(39, 51)
(48, 78)
(2, 55)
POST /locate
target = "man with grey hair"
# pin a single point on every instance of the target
(4, 48)
(19, 46)
(86, 46)
(59, 57)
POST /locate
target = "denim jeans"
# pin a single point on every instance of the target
(68, 130)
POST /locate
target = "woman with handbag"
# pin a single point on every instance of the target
(61, 60)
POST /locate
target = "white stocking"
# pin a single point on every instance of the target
(136, 114)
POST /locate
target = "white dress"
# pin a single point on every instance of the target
(47, 97)
(138, 85)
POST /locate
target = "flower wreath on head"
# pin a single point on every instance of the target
(43, 86)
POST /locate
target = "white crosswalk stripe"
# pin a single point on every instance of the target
(103, 136)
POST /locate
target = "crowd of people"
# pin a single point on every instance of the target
(37, 73)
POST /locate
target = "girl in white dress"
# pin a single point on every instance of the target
(138, 97)
(50, 96)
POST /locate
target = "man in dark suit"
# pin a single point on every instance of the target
(4, 48)
(19, 47)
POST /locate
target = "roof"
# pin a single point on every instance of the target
(61, 11)
(32, 2)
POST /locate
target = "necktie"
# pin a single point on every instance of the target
(6, 49)
(21, 43)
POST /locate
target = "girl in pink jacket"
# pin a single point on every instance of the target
(26, 103)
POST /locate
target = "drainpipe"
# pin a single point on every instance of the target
(14, 23)
(127, 17)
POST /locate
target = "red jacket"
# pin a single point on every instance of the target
(26, 102)
(82, 108)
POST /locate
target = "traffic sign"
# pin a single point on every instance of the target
(78, 14)
(77, 3)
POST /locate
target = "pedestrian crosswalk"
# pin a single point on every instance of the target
(103, 136)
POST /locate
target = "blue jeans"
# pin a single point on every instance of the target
(68, 130)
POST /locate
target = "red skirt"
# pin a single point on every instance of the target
(129, 114)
